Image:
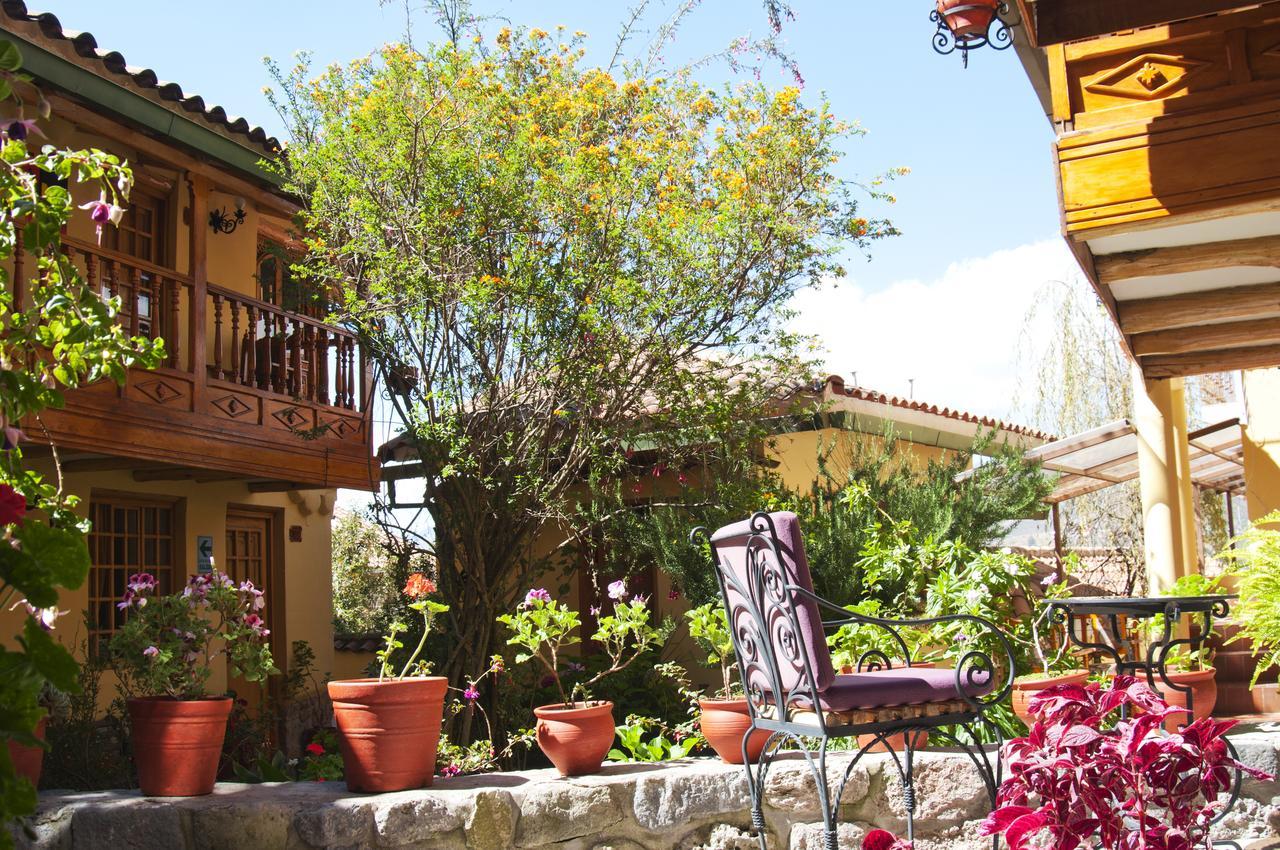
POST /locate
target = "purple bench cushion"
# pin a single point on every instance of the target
(731, 546)
(899, 686)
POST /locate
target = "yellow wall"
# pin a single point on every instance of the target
(1262, 441)
(308, 588)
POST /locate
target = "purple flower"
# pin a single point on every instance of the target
(471, 694)
(18, 129)
(44, 617)
(618, 590)
(575, 667)
(537, 594)
(595, 610)
(673, 594)
(142, 582)
(547, 681)
(151, 652)
(642, 600)
(451, 769)
(1051, 578)
(102, 211)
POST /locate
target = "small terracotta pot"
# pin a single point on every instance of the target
(897, 743)
(389, 731)
(724, 723)
(1204, 694)
(576, 738)
(177, 744)
(970, 21)
(28, 761)
(1025, 689)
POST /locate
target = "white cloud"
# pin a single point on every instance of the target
(958, 336)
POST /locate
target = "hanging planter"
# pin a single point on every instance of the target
(966, 25)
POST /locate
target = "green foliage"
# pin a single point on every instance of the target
(1255, 564)
(577, 265)
(63, 336)
(368, 572)
(87, 750)
(638, 742)
(320, 761)
(543, 628)
(709, 626)
(417, 588)
(168, 645)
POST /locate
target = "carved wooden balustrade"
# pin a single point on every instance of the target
(245, 386)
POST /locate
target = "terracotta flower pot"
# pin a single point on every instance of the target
(1027, 687)
(388, 731)
(897, 743)
(724, 723)
(1204, 694)
(576, 738)
(177, 744)
(27, 761)
(971, 21)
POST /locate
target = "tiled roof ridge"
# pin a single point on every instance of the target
(113, 64)
(837, 384)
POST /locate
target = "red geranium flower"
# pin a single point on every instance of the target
(419, 585)
(13, 507)
(314, 749)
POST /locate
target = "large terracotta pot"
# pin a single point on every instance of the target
(27, 761)
(1027, 687)
(970, 21)
(177, 743)
(1204, 694)
(576, 738)
(724, 723)
(388, 731)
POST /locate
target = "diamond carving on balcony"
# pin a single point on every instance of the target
(232, 406)
(1150, 76)
(159, 391)
(290, 417)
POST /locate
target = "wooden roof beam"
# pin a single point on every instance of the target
(1236, 303)
(1207, 362)
(1208, 337)
(1262, 251)
(1059, 21)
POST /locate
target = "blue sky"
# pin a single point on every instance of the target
(978, 212)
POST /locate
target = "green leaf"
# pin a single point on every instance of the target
(50, 658)
(60, 552)
(10, 58)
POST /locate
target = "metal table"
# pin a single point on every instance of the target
(1074, 612)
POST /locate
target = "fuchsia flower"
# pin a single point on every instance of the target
(682, 479)
(451, 769)
(101, 212)
(658, 469)
(17, 129)
(673, 594)
(618, 590)
(471, 694)
(537, 594)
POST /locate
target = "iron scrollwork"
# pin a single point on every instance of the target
(996, 35)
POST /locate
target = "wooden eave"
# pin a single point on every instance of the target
(1052, 22)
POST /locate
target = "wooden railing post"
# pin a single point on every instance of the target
(351, 373)
(322, 365)
(235, 339)
(135, 301)
(175, 318)
(280, 357)
(295, 356)
(251, 342)
(309, 346)
(217, 335)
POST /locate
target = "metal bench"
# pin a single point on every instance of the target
(795, 693)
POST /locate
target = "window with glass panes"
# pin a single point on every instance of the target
(129, 536)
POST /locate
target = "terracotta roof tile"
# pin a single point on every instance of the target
(837, 386)
(112, 66)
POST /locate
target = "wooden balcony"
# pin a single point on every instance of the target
(247, 389)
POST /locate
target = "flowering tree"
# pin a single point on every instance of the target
(55, 333)
(556, 267)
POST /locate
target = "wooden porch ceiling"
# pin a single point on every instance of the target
(1196, 308)
(1059, 21)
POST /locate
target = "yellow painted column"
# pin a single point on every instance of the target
(1262, 441)
(1164, 469)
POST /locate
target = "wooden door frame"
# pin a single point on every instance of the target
(275, 598)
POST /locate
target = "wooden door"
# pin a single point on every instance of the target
(251, 555)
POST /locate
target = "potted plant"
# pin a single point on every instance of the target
(1086, 771)
(724, 718)
(866, 646)
(968, 17)
(1254, 566)
(164, 654)
(1057, 666)
(1184, 667)
(576, 733)
(390, 726)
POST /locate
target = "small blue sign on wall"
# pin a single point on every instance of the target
(204, 554)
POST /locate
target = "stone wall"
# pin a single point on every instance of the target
(695, 803)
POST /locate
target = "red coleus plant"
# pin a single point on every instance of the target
(1084, 773)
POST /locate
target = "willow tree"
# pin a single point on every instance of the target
(564, 272)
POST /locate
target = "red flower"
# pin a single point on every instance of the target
(418, 586)
(314, 749)
(878, 839)
(13, 507)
